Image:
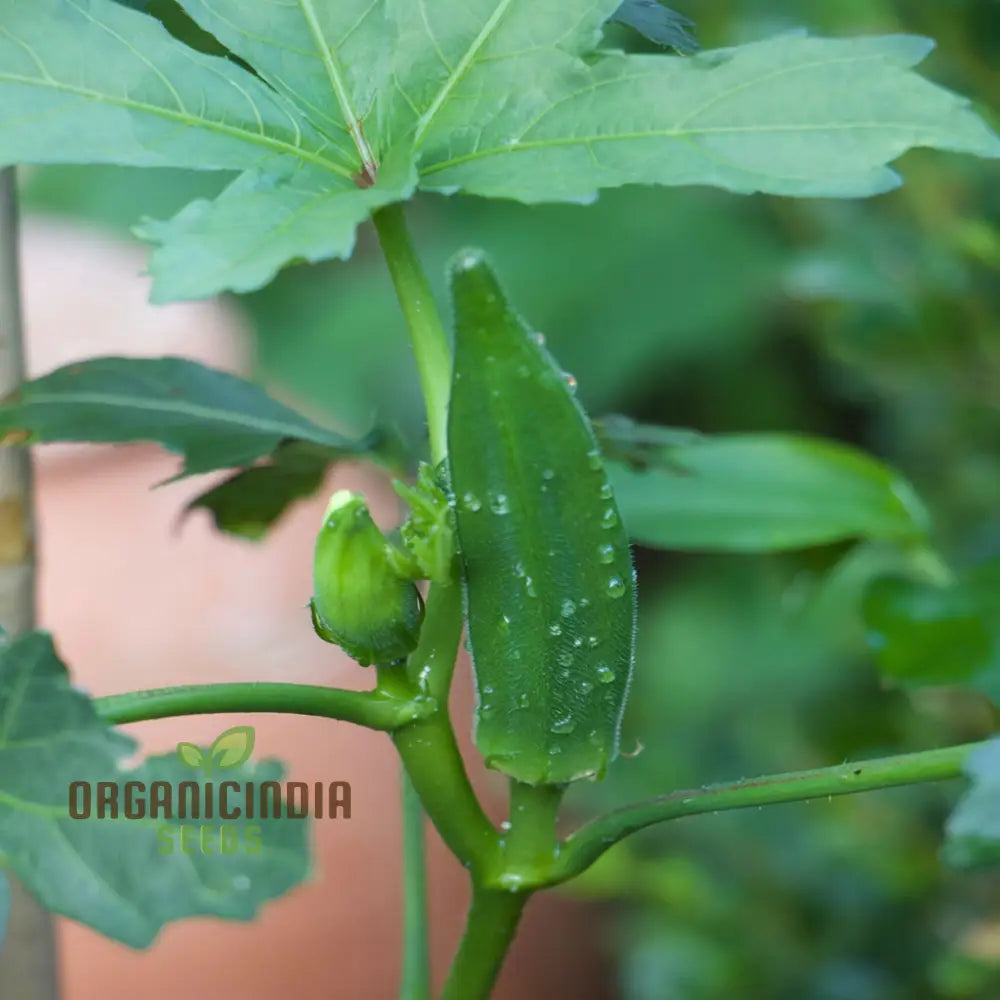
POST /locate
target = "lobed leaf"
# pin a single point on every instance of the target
(792, 115)
(110, 873)
(90, 81)
(356, 104)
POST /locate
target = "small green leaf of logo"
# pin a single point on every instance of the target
(232, 747)
(190, 755)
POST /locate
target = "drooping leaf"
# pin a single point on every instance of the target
(412, 93)
(258, 224)
(549, 585)
(249, 502)
(215, 420)
(756, 492)
(928, 633)
(124, 877)
(658, 23)
(973, 829)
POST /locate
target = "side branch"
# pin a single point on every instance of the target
(372, 709)
(582, 848)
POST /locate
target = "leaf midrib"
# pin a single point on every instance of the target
(255, 138)
(334, 74)
(241, 421)
(456, 75)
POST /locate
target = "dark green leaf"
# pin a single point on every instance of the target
(973, 829)
(658, 23)
(248, 503)
(549, 586)
(113, 874)
(938, 634)
(215, 420)
(754, 492)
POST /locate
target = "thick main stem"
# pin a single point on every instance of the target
(430, 752)
(489, 931)
(27, 963)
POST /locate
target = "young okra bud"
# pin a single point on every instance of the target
(361, 602)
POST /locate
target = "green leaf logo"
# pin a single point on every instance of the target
(233, 747)
(229, 749)
(190, 755)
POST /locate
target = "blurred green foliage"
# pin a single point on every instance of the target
(876, 323)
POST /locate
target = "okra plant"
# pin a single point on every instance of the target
(520, 512)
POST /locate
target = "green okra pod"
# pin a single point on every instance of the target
(547, 571)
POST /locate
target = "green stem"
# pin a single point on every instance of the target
(531, 843)
(430, 753)
(365, 708)
(489, 930)
(582, 848)
(415, 981)
(430, 346)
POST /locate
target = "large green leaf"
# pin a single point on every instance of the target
(973, 829)
(397, 89)
(214, 419)
(115, 874)
(793, 115)
(93, 81)
(754, 492)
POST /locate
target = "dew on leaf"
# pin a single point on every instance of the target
(499, 503)
(564, 725)
(471, 502)
(616, 586)
(606, 553)
(605, 674)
